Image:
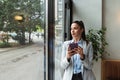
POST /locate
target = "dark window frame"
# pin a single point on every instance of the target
(50, 36)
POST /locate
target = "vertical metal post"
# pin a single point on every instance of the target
(50, 37)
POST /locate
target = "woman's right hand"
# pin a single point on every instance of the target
(70, 53)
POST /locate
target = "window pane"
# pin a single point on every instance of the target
(22, 39)
(59, 30)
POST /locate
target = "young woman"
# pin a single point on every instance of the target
(77, 55)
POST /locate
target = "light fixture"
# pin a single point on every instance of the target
(18, 17)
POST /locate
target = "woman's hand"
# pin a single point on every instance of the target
(79, 50)
(70, 53)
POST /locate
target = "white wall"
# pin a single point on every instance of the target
(90, 12)
(111, 14)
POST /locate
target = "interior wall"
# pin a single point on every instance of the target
(111, 20)
(90, 12)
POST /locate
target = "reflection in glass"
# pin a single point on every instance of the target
(59, 19)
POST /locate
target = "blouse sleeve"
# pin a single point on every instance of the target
(88, 61)
(64, 61)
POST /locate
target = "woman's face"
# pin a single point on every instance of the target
(76, 31)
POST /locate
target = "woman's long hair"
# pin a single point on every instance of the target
(81, 24)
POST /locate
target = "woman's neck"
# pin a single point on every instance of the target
(76, 39)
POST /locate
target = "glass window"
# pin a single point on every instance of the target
(59, 30)
(22, 39)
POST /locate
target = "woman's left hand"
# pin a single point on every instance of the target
(79, 50)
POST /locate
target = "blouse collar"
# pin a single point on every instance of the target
(80, 41)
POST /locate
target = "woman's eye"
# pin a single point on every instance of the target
(75, 28)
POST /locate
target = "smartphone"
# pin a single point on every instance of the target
(73, 45)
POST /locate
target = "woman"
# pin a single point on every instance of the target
(77, 62)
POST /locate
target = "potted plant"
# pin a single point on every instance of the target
(97, 37)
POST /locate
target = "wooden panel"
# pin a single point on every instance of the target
(111, 70)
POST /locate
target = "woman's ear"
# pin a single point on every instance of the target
(82, 30)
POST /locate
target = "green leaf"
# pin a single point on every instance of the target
(97, 37)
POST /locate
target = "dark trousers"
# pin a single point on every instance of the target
(77, 76)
